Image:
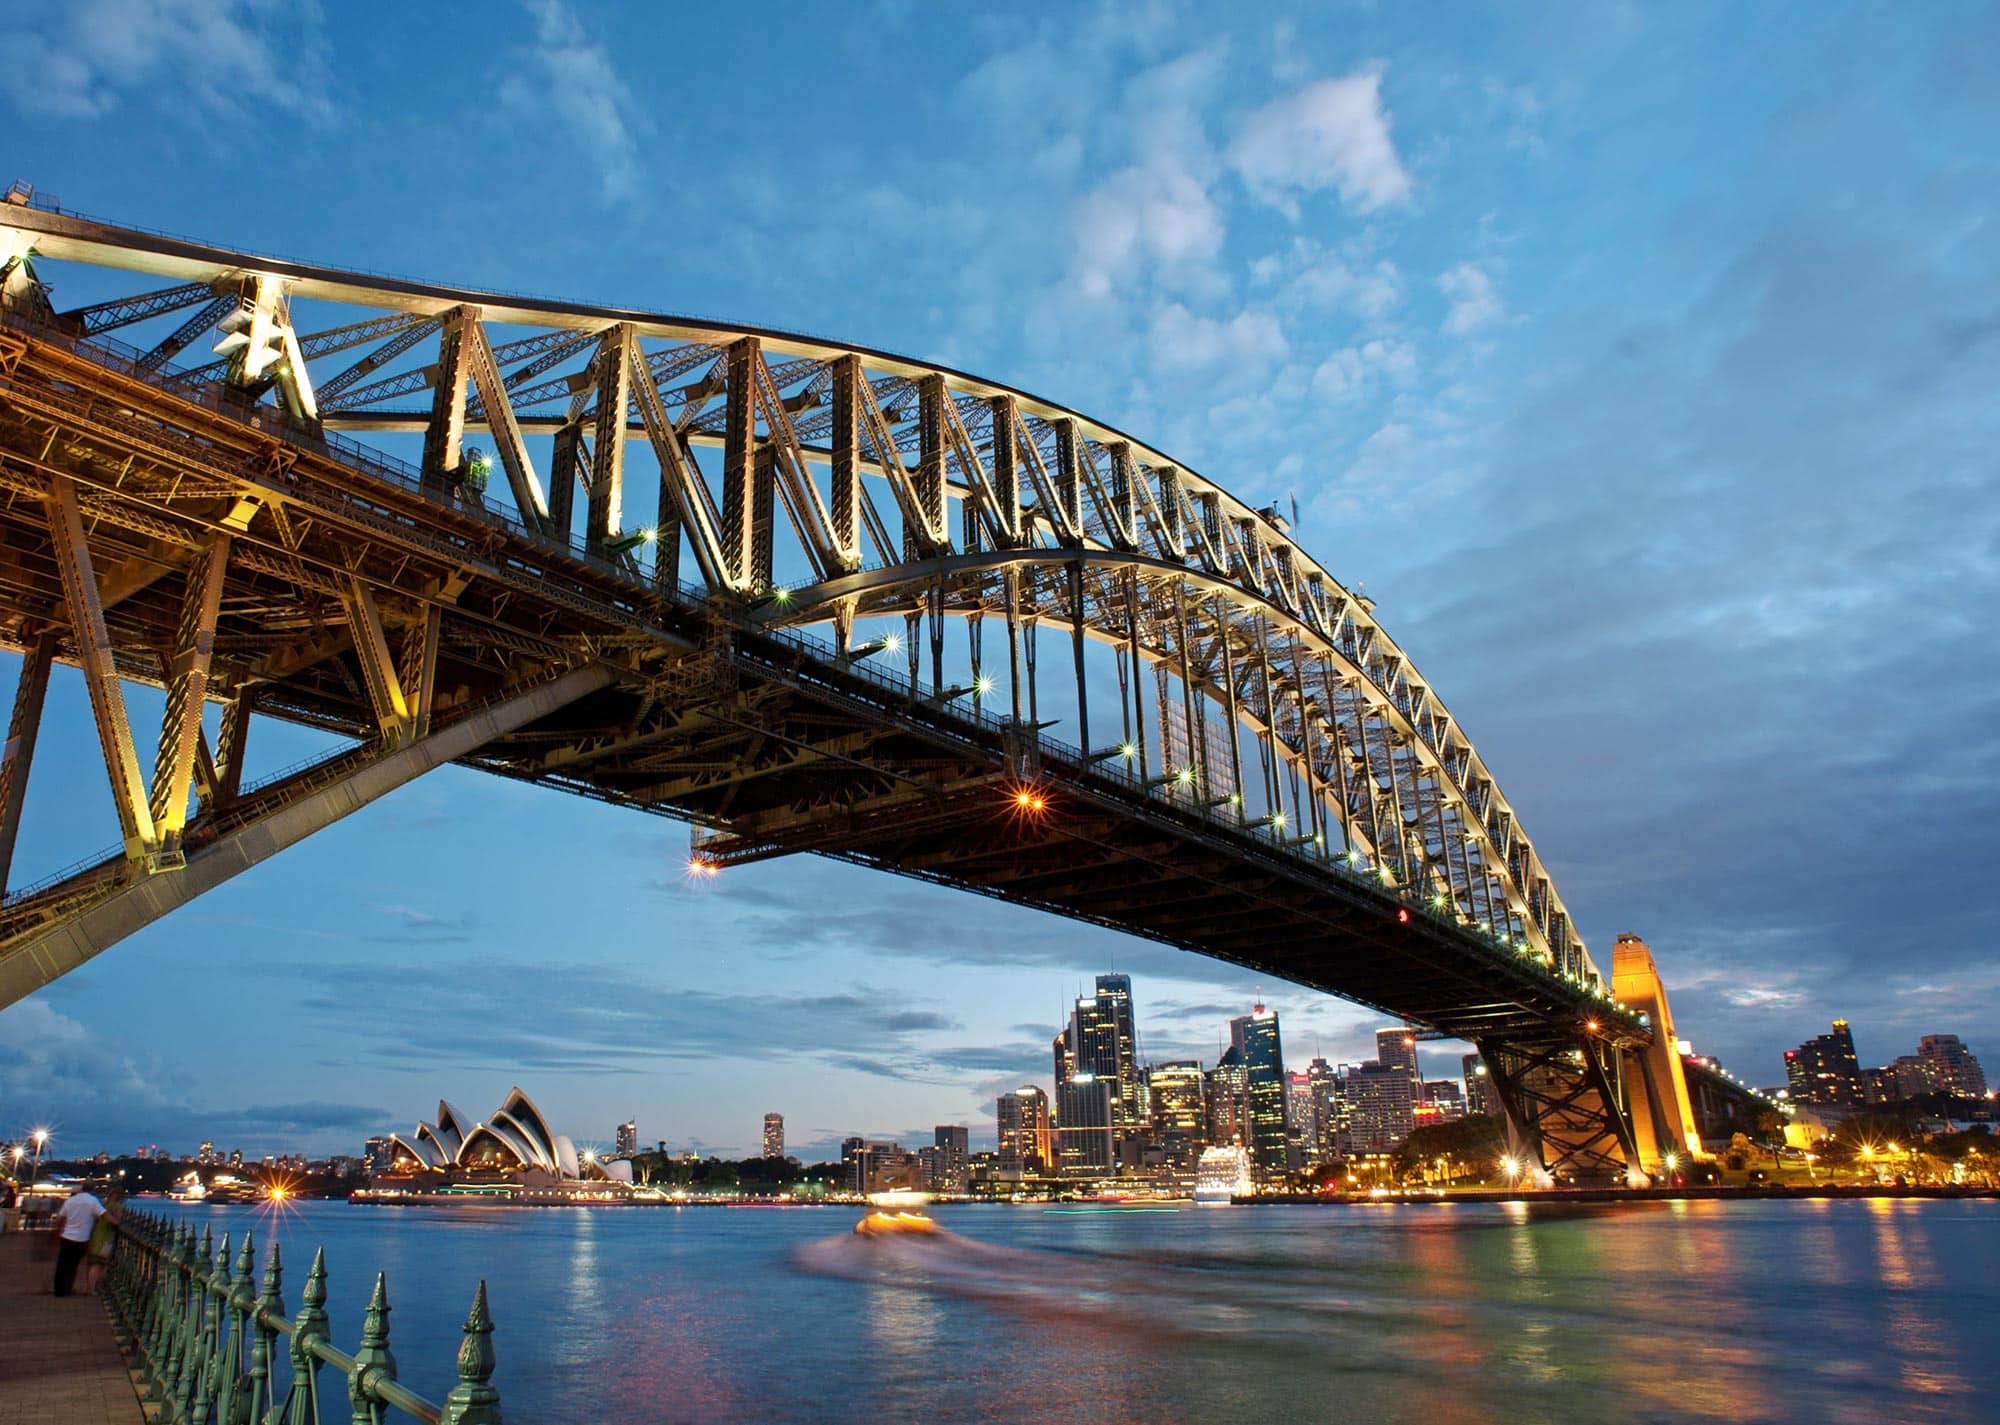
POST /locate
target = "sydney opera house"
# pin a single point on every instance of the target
(513, 1153)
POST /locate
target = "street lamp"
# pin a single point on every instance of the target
(41, 1139)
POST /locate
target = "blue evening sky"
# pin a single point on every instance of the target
(1641, 361)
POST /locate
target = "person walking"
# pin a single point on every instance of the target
(72, 1226)
(103, 1238)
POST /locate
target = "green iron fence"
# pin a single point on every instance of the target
(214, 1347)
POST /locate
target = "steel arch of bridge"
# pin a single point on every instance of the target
(1257, 699)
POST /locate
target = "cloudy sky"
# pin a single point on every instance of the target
(1640, 361)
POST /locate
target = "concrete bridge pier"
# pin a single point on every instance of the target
(1662, 1113)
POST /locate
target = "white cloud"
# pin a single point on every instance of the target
(80, 60)
(1311, 278)
(1183, 340)
(1352, 370)
(579, 87)
(1141, 221)
(1474, 298)
(1333, 134)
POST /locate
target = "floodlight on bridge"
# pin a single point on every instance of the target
(625, 543)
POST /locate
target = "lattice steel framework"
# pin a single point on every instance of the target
(1267, 748)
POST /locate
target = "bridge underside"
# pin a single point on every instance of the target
(207, 548)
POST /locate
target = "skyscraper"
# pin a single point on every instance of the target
(1479, 1094)
(774, 1135)
(1397, 1049)
(1179, 1098)
(1301, 1119)
(1114, 996)
(1381, 1106)
(952, 1141)
(1177, 1106)
(1228, 1102)
(1026, 1144)
(1952, 1066)
(1824, 1069)
(1329, 1107)
(628, 1138)
(1254, 1039)
(1083, 1123)
(1914, 1078)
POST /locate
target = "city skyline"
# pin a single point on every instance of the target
(1386, 1088)
(1379, 242)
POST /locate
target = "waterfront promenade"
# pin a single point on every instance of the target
(59, 1359)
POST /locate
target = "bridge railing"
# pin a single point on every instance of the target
(211, 1343)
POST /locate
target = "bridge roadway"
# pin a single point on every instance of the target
(177, 532)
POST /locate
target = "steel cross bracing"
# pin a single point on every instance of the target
(1258, 772)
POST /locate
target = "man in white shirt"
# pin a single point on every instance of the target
(73, 1221)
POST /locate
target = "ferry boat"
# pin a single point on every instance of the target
(189, 1189)
(1222, 1175)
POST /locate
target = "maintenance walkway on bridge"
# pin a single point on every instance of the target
(59, 1358)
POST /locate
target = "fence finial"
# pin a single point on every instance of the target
(373, 1360)
(475, 1400)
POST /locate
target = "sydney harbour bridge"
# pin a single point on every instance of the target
(807, 597)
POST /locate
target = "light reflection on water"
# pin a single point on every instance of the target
(1757, 1311)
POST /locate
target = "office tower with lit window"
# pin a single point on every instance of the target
(1301, 1120)
(1381, 1106)
(1228, 1102)
(1083, 1126)
(1026, 1145)
(954, 1165)
(628, 1138)
(1397, 1049)
(774, 1135)
(1329, 1108)
(1444, 1099)
(1952, 1067)
(1824, 1069)
(1178, 1092)
(1114, 998)
(1255, 1041)
(1479, 1094)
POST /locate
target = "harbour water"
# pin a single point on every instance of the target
(1839, 1312)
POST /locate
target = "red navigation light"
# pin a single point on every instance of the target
(1402, 915)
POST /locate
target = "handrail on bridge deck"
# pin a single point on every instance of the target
(204, 1338)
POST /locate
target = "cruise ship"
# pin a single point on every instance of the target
(1222, 1175)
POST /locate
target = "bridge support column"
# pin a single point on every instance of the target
(22, 731)
(1566, 1101)
(1663, 1117)
(313, 800)
(100, 673)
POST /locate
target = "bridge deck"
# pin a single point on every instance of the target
(60, 1364)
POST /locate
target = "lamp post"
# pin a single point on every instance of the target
(40, 1138)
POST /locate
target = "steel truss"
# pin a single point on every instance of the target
(1277, 768)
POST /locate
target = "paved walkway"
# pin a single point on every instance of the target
(59, 1361)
